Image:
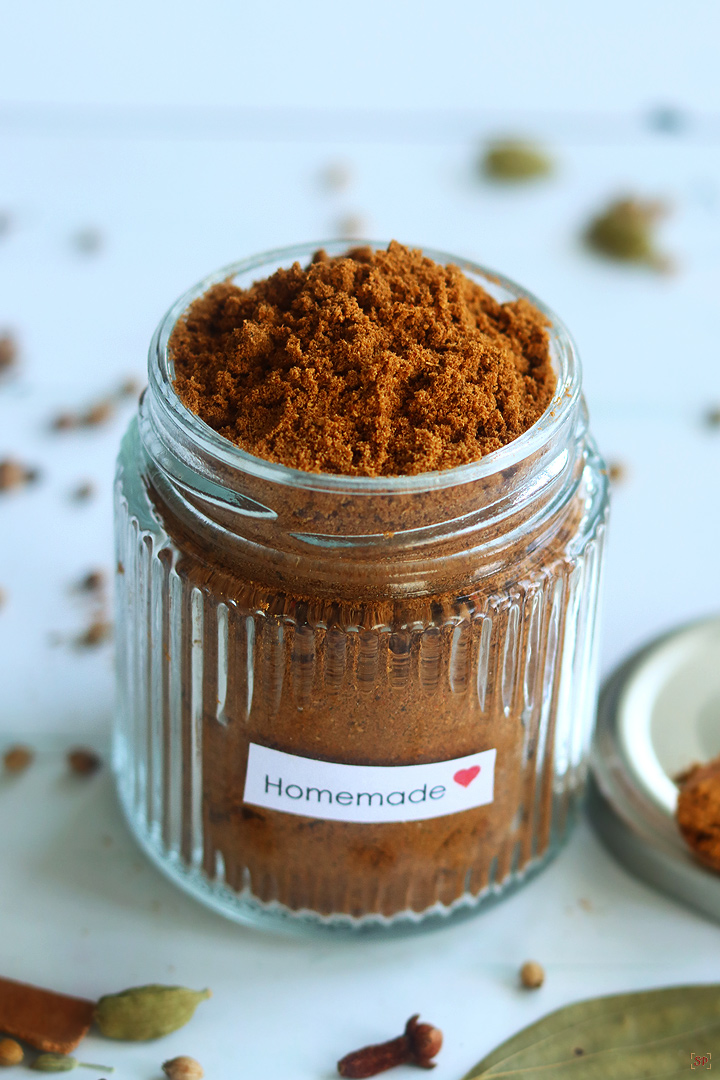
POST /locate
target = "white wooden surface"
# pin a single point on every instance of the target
(176, 193)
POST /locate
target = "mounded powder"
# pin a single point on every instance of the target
(374, 363)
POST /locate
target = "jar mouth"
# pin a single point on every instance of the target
(215, 447)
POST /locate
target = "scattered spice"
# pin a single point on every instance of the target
(8, 352)
(667, 119)
(336, 176)
(515, 161)
(129, 387)
(625, 230)
(97, 414)
(532, 975)
(13, 474)
(88, 240)
(418, 1045)
(712, 417)
(94, 416)
(17, 759)
(698, 811)
(64, 421)
(11, 1052)
(98, 632)
(54, 1063)
(376, 363)
(42, 1018)
(93, 581)
(83, 492)
(351, 226)
(183, 1068)
(84, 762)
(617, 472)
(147, 1012)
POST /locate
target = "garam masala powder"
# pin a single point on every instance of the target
(359, 532)
(382, 363)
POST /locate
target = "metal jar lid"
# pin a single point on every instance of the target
(658, 714)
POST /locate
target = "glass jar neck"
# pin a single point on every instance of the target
(407, 535)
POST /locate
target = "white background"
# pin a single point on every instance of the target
(190, 137)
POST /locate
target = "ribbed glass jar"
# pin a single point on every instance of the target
(423, 621)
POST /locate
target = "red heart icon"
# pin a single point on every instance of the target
(466, 776)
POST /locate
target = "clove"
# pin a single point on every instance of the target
(418, 1045)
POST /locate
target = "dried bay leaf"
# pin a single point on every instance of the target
(650, 1034)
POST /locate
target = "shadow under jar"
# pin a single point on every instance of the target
(354, 702)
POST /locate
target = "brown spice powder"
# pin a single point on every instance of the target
(376, 363)
(8, 352)
(698, 811)
(324, 658)
(371, 681)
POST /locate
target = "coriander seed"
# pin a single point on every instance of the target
(532, 975)
(183, 1068)
(11, 1052)
(17, 759)
(84, 762)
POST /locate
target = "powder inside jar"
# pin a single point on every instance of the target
(445, 626)
(374, 363)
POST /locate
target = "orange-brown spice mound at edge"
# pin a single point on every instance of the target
(698, 811)
(374, 363)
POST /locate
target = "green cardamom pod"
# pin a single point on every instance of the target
(55, 1063)
(146, 1012)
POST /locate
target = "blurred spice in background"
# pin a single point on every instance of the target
(97, 633)
(17, 759)
(617, 472)
(100, 411)
(337, 176)
(83, 492)
(625, 231)
(13, 474)
(87, 241)
(8, 352)
(515, 161)
(83, 762)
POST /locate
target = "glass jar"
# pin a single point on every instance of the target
(354, 702)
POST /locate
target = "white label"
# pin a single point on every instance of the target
(367, 793)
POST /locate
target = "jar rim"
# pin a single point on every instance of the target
(227, 454)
